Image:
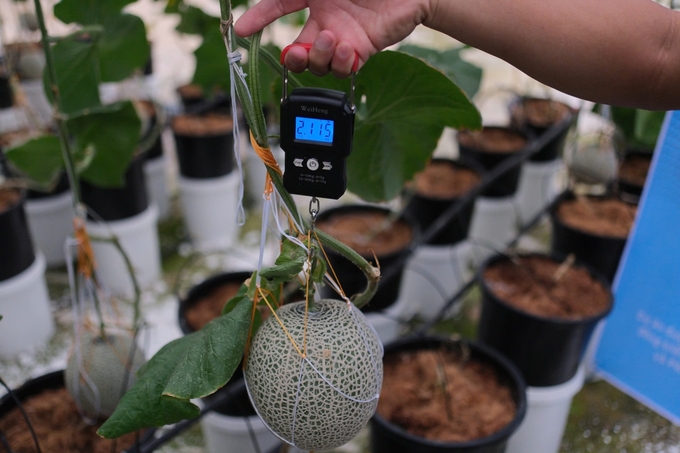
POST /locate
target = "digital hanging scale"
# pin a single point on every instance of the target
(317, 128)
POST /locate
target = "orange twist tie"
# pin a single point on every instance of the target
(266, 156)
(86, 261)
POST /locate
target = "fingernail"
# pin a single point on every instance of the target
(343, 51)
(323, 42)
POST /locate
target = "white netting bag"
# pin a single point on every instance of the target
(323, 400)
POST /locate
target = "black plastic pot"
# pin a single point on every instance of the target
(50, 381)
(426, 210)
(565, 119)
(352, 280)
(387, 437)
(203, 289)
(205, 156)
(117, 203)
(602, 253)
(16, 245)
(6, 97)
(506, 184)
(547, 351)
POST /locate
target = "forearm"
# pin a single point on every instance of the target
(619, 52)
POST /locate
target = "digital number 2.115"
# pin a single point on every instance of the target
(314, 130)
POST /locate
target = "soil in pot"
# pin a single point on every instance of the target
(442, 395)
(540, 311)
(536, 116)
(436, 188)
(204, 144)
(633, 174)
(545, 288)
(595, 229)
(206, 301)
(58, 427)
(599, 216)
(489, 147)
(371, 232)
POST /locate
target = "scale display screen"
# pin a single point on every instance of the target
(314, 130)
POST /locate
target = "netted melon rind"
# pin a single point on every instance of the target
(323, 401)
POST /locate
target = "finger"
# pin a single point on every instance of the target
(264, 13)
(321, 53)
(296, 59)
(343, 60)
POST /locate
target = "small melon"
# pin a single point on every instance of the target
(31, 64)
(103, 371)
(320, 401)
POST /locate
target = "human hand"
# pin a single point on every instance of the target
(338, 29)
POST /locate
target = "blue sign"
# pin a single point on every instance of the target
(639, 350)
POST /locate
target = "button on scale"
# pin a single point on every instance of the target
(313, 164)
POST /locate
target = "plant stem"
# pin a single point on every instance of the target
(61, 124)
(255, 117)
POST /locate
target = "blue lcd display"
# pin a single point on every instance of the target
(314, 130)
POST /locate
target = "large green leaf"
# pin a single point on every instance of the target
(212, 66)
(75, 63)
(194, 21)
(404, 105)
(193, 366)
(640, 128)
(39, 159)
(123, 47)
(88, 11)
(111, 133)
(466, 75)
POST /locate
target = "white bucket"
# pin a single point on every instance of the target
(232, 434)
(433, 274)
(494, 225)
(537, 188)
(209, 209)
(50, 220)
(27, 321)
(543, 426)
(156, 185)
(138, 237)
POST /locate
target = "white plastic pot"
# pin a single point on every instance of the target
(138, 236)
(50, 220)
(156, 185)
(494, 225)
(543, 426)
(433, 274)
(13, 119)
(35, 94)
(537, 188)
(209, 207)
(27, 321)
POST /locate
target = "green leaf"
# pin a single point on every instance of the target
(640, 128)
(212, 66)
(194, 21)
(112, 132)
(123, 47)
(467, 76)
(406, 107)
(648, 126)
(76, 64)
(88, 11)
(193, 366)
(288, 264)
(39, 158)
